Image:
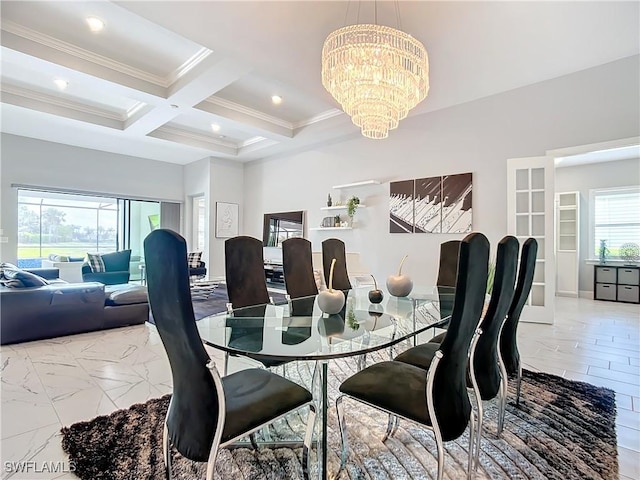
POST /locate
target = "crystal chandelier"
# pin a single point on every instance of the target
(376, 73)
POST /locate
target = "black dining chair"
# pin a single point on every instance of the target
(207, 412)
(244, 272)
(487, 364)
(334, 248)
(297, 263)
(436, 398)
(448, 265)
(246, 287)
(486, 376)
(508, 337)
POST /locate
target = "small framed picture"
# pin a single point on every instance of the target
(226, 220)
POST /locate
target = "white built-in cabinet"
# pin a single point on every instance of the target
(567, 243)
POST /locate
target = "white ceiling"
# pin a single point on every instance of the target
(161, 72)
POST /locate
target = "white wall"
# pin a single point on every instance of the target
(591, 106)
(33, 162)
(583, 178)
(196, 183)
(227, 185)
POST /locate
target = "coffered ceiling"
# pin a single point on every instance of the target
(159, 74)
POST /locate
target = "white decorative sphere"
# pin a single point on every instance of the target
(331, 301)
(399, 285)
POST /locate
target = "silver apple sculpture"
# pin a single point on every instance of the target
(331, 301)
(399, 285)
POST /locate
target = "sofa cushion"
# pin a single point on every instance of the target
(95, 262)
(17, 278)
(125, 294)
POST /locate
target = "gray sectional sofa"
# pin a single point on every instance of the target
(57, 309)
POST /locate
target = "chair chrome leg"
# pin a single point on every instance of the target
(308, 441)
(252, 439)
(440, 446)
(390, 427)
(343, 432)
(518, 384)
(472, 428)
(166, 452)
(502, 395)
(211, 464)
(395, 427)
(479, 432)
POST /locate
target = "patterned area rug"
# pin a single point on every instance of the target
(561, 430)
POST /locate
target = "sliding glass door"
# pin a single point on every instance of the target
(66, 226)
(139, 218)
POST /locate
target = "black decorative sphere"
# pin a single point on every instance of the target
(375, 296)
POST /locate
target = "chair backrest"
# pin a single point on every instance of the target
(192, 415)
(244, 268)
(334, 248)
(448, 267)
(298, 268)
(450, 385)
(485, 360)
(508, 340)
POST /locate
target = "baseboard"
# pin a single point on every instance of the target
(586, 294)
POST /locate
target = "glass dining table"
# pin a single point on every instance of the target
(297, 330)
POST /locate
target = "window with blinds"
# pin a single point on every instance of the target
(615, 218)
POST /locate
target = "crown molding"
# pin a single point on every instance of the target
(198, 57)
(252, 141)
(60, 102)
(334, 112)
(78, 52)
(196, 136)
(236, 107)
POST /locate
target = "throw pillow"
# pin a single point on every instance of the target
(6, 266)
(193, 259)
(26, 279)
(95, 262)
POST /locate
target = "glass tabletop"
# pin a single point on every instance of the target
(298, 330)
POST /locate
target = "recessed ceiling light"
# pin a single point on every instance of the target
(276, 99)
(95, 24)
(215, 127)
(61, 83)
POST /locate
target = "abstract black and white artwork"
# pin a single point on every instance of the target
(427, 205)
(456, 203)
(401, 206)
(431, 205)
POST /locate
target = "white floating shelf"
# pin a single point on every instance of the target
(331, 228)
(357, 184)
(341, 207)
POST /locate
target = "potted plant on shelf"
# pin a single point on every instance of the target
(352, 206)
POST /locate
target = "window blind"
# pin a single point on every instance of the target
(616, 218)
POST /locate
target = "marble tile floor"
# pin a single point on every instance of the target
(52, 383)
